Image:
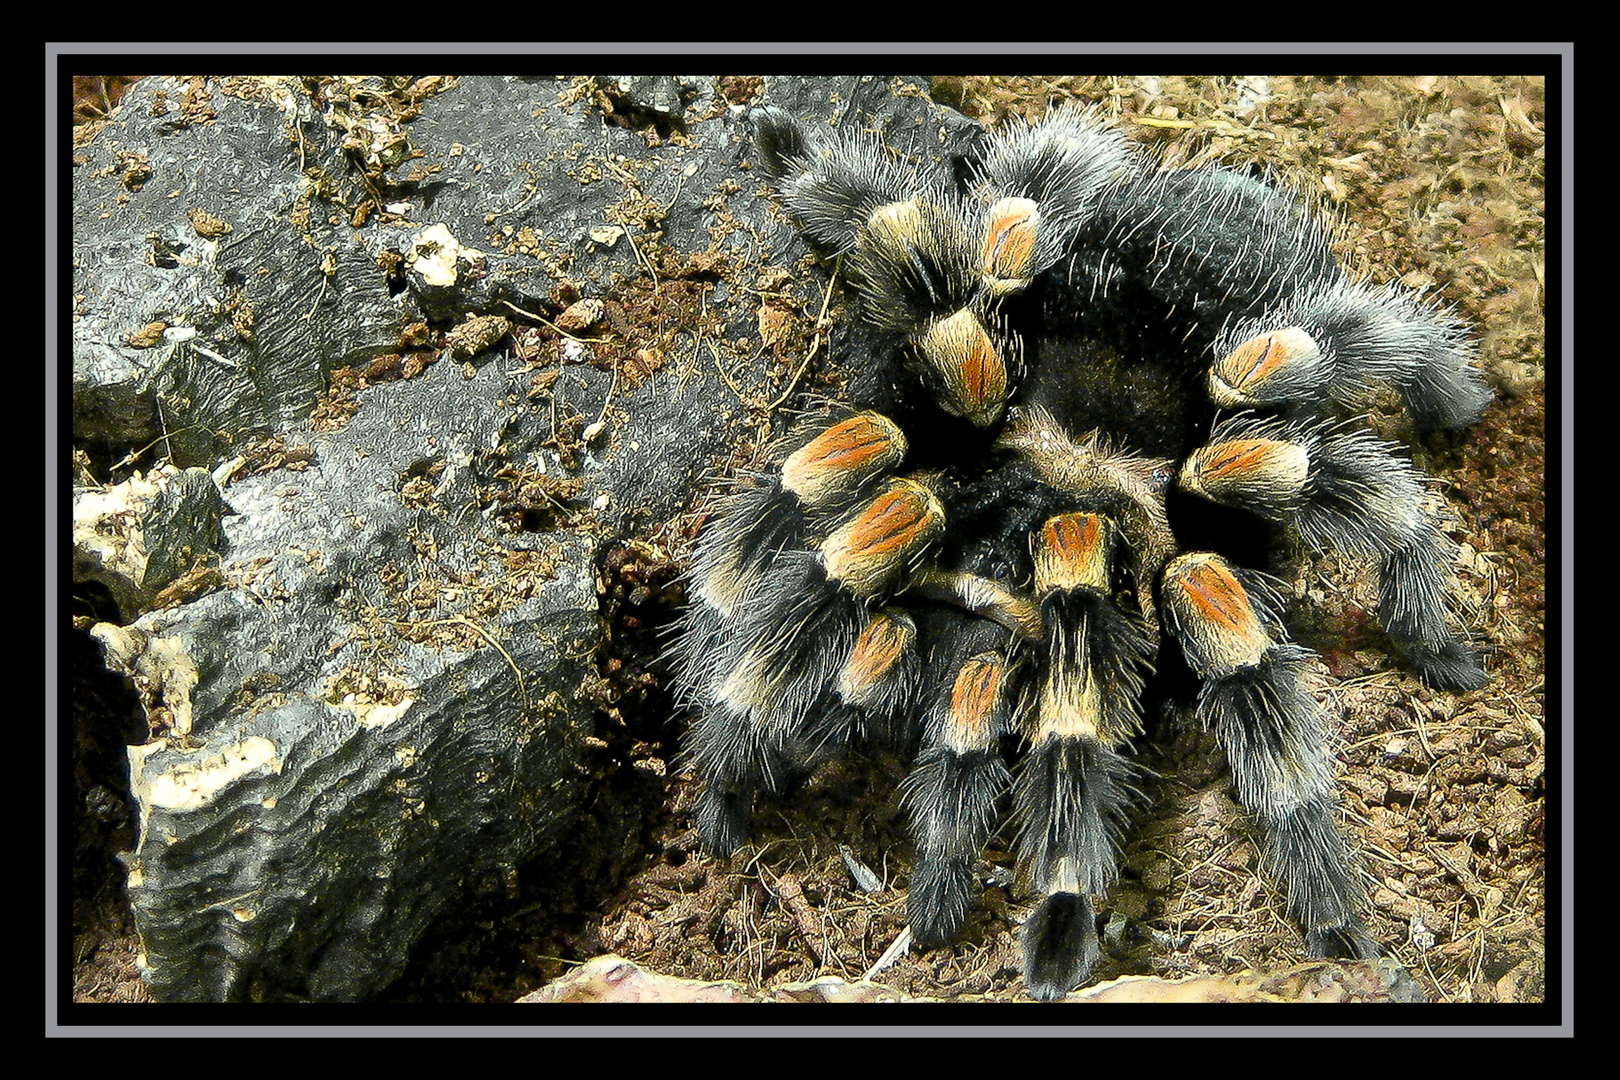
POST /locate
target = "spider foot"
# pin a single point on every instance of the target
(1070, 797)
(722, 819)
(1452, 665)
(1412, 607)
(1348, 942)
(1060, 945)
(939, 898)
(1304, 849)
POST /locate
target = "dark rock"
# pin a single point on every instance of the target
(381, 695)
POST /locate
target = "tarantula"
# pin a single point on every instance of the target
(1064, 362)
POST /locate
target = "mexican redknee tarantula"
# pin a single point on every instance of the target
(1065, 361)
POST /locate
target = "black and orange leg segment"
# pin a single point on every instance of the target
(1335, 344)
(787, 650)
(1258, 700)
(954, 792)
(1074, 786)
(1037, 185)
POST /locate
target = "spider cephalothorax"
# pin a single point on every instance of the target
(1055, 362)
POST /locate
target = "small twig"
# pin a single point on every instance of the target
(232, 900)
(726, 376)
(593, 430)
(550, 325)
(896, 949)
(611, 387)
(486, 635)
(131, 457)
(229, 365)
(679, 180)
(815, 346)
(318, 296)
(642, 259)
(697, 354)
(790, 894)
(532, 190)
(163, 425)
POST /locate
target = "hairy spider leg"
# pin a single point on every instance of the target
(1257, 699)
(802, 627)
(954, 791)
(1074, 786)
(1334, 345)
(832, 186)
(1342, 487)
(1038, 183)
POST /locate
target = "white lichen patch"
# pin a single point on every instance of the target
(107, 532)
(375, 700)
(434, 255)
(193, 784)
(163, 671)
(376, 714)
